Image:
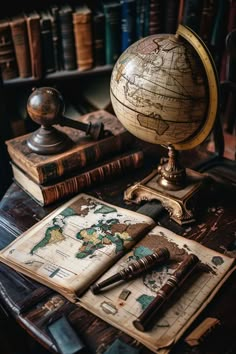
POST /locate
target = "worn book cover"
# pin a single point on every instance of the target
(86, 241)
(47, 42)
(35, 44)
(80, 180)
(84, 151)
(21, 45)
(67, 37)
(112, 12)
(82, 26)
(8, 62)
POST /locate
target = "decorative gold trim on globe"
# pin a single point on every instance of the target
(213, 87)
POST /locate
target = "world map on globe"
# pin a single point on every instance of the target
(161, 91)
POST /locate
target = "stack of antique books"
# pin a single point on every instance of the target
(50, 178)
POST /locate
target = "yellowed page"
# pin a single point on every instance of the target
(112, 306)
(76, 243)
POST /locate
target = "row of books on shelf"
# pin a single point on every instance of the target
(52, 178)
(66, 37)
(79, 38)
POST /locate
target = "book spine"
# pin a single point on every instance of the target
(47, 44)
(219, 31)
(140, 16)
(146, 17)
(192, 14)
(112, 31)
(21, 46)
(180, 11)
(54, 11)
(67, 40)
(98, 25)
(155, 17)
(71, 186)
(206, 21)
(171, 10)
(8, 64)
(82, 24)
(128, 23)
(92, 154)
(34, 35)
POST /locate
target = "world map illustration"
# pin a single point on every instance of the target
(97, 236)
(79, 241)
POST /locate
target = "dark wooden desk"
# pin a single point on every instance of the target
(34, 305)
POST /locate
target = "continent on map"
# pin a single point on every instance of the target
(100, 235)
(145, 300)
(53, 234)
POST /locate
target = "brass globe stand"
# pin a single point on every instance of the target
(168, 96)
(174, 186)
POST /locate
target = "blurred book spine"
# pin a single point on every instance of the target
(112, 11)
(56, 37)
(82, 24)
(128, 23)
(8, 64)
(170, 15)
(192, 14)
(35, 45)
(155, 17)
(67, 37)
(47, 43)
(21, 45)
(98, 27)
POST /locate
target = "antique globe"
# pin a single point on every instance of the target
(164, 90)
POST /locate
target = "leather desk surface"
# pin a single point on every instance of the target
(34, 305)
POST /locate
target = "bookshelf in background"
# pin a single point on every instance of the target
(113, 25)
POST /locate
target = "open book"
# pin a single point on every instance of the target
(87, 240)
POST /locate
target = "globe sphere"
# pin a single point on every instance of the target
(159, 91)
(45, 105)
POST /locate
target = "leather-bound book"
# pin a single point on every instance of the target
(207, 20)
(21, 45)
(171, 9)
(84, 152)
(128, 23)
(47, 43)
(8, 65)
(140, 18)
(67, 37)
(82, 24)
(35, 45)
(192, 14)
(219, 32)
(98, 25)
(180, 11)
(80, 180)
(56, 37)
(112, 11)
(155, 17)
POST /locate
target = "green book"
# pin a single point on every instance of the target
(112, 12)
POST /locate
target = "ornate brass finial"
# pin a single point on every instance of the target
(173, 175)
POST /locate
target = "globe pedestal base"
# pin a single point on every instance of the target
(181, 204)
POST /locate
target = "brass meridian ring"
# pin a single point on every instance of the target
(213, 86)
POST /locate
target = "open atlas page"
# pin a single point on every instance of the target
(141, 278)
(138, 307)
(76, 243)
